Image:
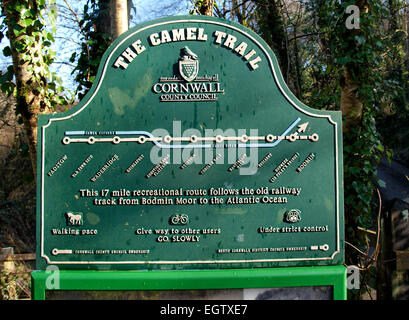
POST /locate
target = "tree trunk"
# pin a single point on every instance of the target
(206, 8)
(118, 10)
(298, 80)
(351, 105)
(406, 46)
(30, 102)
(112, 17)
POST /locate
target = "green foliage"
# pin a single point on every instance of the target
(270, 26)
(7, 286)
(201, 6)
(27, 21)
(392, 120)
(94, 43)
(14, 284)
(359, 52)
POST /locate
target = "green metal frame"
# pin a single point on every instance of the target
(334, 276)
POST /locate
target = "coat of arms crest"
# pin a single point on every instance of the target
(188, 64)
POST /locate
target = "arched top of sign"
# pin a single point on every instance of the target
(120, 54)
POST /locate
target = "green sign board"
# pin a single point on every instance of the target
(189, 152)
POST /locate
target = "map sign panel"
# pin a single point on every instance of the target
(189, 152)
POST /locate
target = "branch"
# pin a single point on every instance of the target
(64, 63)
(374, 257)
(232, 9)
(73, 12)
(68, 39)
(305, 35)
(79, 24)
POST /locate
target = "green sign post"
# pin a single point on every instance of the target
(191, 156)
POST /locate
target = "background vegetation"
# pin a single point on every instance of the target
(332, 56)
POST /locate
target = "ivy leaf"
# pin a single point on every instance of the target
(50, 36)
(73, 56)
(26, 22)
(7, 76)
(18, 30)
(7, 51)
(38, 24)
(8, 88)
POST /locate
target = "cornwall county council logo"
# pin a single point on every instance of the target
(188, 64)
(187, 85)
